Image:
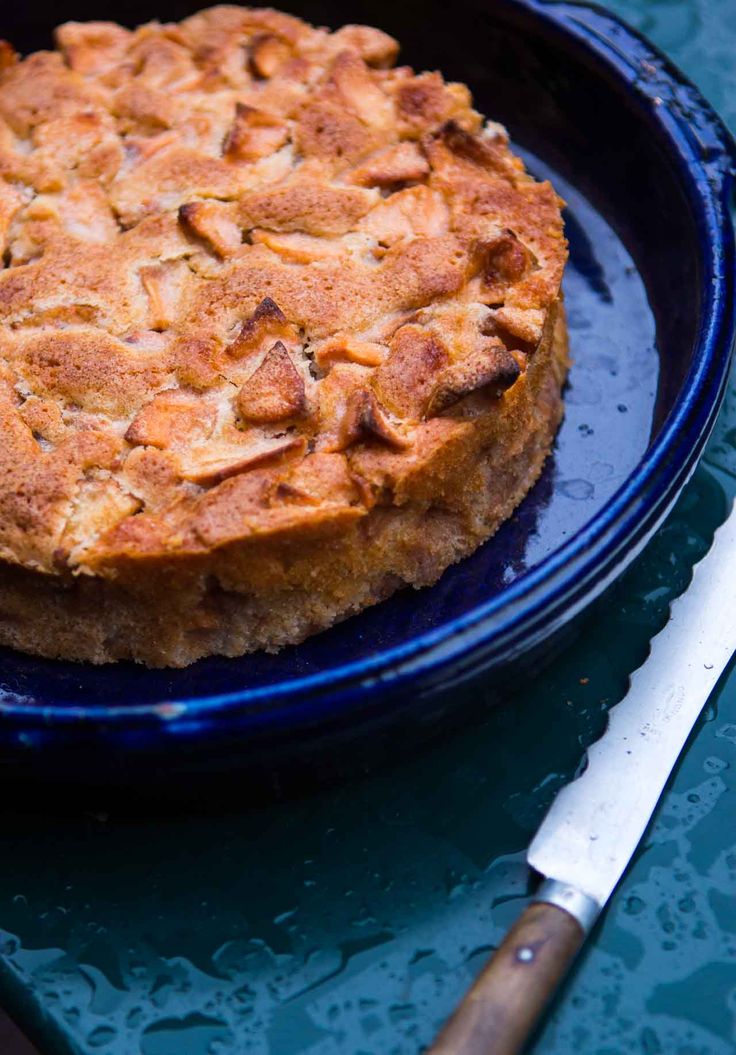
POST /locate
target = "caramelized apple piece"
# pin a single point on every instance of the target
(365, 419)
(452, 150)
(267, 321)
(407, 379)
(375, 47)
(164, 284)
(219, 464)
(274, 391)
(267, 54)
(504, 261)
(171, 419)
(345, 349)
(212, 222)
(254, 134)
(101, 505)
(397, 164)
(354, 84)
(491, 369)
(415, 212)
(299, 248)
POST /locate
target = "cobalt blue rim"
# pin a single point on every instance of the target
(560, 586)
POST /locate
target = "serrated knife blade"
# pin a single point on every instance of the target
(595, 823)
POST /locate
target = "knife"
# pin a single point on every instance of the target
(595, 824)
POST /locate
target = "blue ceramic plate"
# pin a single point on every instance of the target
(646, 168)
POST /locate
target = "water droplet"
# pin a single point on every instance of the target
(713, 764)
(101, 1036)
(134, 1017)
(727, 732)
(634, 905)
(578, 490)
(708, 666)
(194, 1032)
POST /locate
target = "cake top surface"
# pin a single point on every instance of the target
(253, 277)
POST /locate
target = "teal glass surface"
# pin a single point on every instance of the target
(350, 922)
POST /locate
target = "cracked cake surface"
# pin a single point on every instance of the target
(280, 332)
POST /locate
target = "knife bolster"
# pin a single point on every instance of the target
(580, 906)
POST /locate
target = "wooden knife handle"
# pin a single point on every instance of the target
(506, 1001)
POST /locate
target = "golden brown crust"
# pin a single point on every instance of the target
(257, 288)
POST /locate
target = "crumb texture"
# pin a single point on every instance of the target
(279, 333)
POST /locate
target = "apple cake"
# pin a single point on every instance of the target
(280, 333)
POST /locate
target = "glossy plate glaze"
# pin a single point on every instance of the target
(645, 168)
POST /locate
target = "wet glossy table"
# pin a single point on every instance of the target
(350, 922)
